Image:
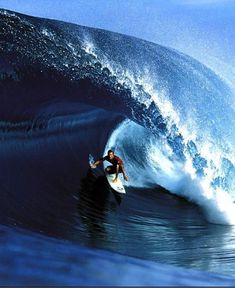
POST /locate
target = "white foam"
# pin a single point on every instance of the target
(160, 168)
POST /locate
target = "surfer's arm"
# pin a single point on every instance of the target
(124, 173)
(97, 162)
(117, 171)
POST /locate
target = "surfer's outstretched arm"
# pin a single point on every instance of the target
(96, 163)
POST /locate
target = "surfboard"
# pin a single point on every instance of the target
(117, 186)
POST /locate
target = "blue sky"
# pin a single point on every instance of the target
(203, 29)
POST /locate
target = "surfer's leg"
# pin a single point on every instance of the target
(110, 169)
(120, 169)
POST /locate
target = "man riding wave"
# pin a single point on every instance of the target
(116, 167)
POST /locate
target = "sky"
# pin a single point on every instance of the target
(203, 29)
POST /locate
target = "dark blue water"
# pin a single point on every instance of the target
(68, 91)
(33, 259)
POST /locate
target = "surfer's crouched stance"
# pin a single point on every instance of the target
(116, 167)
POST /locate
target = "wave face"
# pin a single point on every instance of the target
(68, 90)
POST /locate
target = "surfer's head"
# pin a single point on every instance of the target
(110, 154)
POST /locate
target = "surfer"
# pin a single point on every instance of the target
(116, 167)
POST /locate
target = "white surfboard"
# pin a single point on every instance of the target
(117, 186)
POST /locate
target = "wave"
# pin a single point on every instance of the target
(179, 116)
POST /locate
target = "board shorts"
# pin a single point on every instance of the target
(112, 169)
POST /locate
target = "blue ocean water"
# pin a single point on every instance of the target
(68, 91)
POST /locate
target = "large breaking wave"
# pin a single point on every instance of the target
(168, 116)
